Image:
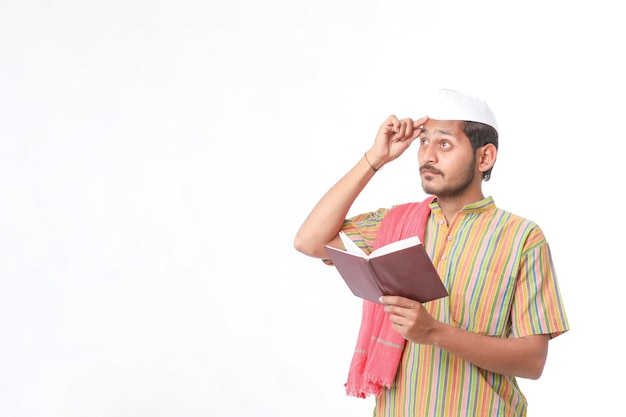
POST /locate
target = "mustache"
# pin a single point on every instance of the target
(429, 167)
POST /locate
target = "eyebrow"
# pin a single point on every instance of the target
(439, 131)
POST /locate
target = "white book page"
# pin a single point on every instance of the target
(396, 246)
(354, 249)
(350, 246)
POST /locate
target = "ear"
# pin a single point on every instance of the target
(486, 157)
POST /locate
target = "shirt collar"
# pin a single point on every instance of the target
(485, 204)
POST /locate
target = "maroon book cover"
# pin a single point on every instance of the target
(406, 271)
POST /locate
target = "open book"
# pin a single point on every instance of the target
(399, 268)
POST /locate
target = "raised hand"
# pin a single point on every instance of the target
(393, 138)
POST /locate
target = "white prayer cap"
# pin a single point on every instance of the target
(452, 105)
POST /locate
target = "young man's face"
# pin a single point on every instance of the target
(447, 162)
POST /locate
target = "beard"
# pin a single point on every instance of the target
(450, 190)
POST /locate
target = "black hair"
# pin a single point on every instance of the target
(480, 135)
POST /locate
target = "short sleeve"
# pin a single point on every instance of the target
(362, 229)
(538, 307)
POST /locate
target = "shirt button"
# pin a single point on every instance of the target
(443, 257)
(449, 237)
(440, 221)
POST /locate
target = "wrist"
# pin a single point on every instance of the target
(441, 333)
(375, 167)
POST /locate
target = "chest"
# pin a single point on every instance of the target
(478, 260)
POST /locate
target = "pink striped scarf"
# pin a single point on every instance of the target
(379, 347)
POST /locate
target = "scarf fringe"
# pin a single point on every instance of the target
(371, 386)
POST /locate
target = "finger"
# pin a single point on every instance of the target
(399, 314)
(417, 131)
(408, 128)
(399, 130)
(418, 127)
(397, 321)
(393, 123)
(396, 300)
(405, 131)
(420, 122)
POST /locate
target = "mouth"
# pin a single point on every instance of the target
(429, 172)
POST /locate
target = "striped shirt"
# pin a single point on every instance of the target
(498, 271)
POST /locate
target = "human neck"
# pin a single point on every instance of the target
(451, 205)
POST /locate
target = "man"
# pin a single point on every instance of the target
(459, 355)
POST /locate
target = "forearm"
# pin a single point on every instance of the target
(322, 225)
(324, 222)
(523, 357)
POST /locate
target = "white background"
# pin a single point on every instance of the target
(158, 157)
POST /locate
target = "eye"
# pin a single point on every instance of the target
(423, 141)
(445, 144)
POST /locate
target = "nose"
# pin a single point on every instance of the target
(427, 154)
